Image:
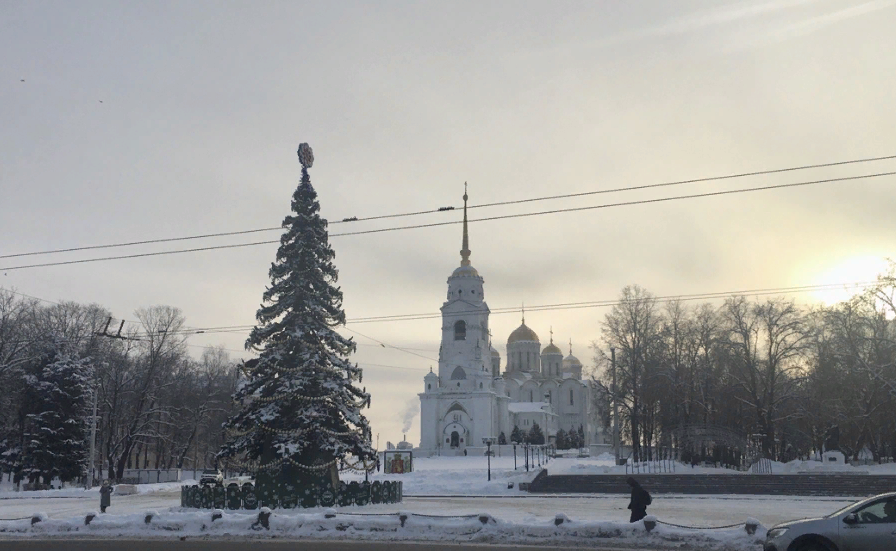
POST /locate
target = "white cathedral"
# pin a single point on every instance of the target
(470, 398)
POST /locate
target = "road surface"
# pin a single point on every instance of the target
(269, 545)
(688, 510)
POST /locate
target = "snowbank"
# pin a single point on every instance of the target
(402, 526)
(605, 464)
(818, 467)
(95, 491)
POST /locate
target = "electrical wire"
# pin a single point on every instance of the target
(487, 219)
(565, 306)
(484, 205)
(387, 345)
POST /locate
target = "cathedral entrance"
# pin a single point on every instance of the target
(455, 434)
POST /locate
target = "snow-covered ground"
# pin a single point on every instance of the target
(8, 492)
(401, 526)
(606, 464)
(795, 467)
(459, 476)
(459, 488)
(524, 508)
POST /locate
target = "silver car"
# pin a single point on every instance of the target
(869, 525)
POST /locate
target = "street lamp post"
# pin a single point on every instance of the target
(514, 456)
(90, 467)
(488, 441)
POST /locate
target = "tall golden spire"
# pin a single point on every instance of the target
(465, 251)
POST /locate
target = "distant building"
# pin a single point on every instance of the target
(470, 398)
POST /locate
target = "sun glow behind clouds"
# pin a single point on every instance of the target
(852, 272)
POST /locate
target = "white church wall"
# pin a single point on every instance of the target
(467, 371)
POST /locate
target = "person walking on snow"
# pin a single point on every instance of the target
(640, 500)
(105, 495)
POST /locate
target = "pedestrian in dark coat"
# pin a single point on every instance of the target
(640, 500)
(105, 495)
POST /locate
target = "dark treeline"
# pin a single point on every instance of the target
(751, 378)
(157, 407)
(756, 377)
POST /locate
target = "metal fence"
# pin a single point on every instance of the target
(761, 466)
(250, 497)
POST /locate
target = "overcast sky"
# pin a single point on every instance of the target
(162, 119)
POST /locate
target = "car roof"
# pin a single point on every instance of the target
(875, 498)
(879, 496)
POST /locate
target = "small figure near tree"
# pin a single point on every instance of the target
(105, 495)
(639, 502)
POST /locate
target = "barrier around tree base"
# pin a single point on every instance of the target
(250, 497)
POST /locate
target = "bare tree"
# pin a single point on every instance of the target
(135, 400)
(633, 328)
(765, 341)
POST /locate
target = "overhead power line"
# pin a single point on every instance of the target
(29, 296)
(387, 345)
(562, 306)
(691, 181)
(487, 219)
(483, 205)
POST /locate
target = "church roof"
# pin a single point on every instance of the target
(527, 407)
(495, 353)
(522, 333)
(465, 271)
(571, 360)
(551, 349)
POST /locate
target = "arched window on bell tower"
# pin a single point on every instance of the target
(460, 331)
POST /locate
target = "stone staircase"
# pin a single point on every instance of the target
(852, 485)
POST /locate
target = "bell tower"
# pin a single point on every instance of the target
(465, 354)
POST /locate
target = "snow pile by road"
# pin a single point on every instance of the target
(606, 464)
(814, 467)
(459, 476)
(403, 526)
(95, 491)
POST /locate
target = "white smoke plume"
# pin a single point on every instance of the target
(411, 409)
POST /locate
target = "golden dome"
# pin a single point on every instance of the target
(465, 271)
(571, 361)
(551, 349)
(522, 333)
(495, 353)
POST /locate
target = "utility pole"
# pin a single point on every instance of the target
(92, 435)
(103, 333)
(615, 407)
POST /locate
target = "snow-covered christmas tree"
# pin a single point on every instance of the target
(55, 430)
(301, 412)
